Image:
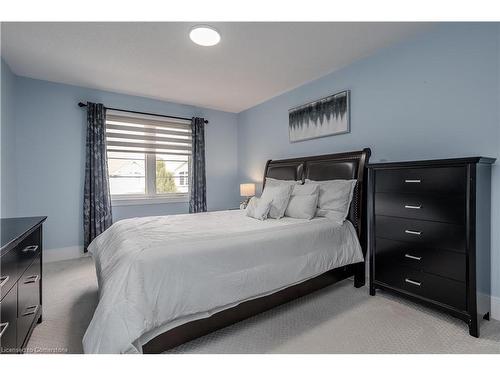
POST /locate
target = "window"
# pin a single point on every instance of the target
(148, 157)
(127, 173)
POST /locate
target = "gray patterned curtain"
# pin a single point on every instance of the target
(197, 178)
(97, 215)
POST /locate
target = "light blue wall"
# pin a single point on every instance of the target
(7, 136)
(435, 96)
(50, 141)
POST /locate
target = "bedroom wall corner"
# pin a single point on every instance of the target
(495, 200)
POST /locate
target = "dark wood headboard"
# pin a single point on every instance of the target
(345, 166)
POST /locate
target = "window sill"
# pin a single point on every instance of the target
(140, 201)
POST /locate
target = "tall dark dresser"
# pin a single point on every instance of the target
(20, 281)
(429, 234)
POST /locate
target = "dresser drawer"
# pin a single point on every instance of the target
(8, 318)
(15, 262)
(423, 233)
(28, 250)
(420, 180)
(28, 299)
(444, 263)
(8, 272)
(448, 208)
(435, 288)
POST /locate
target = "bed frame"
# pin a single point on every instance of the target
(348, 165)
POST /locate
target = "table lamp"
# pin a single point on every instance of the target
(246, 190)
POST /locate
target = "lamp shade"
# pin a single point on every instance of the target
(247, 190)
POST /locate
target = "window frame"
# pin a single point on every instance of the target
(150, 195)
(183, 178)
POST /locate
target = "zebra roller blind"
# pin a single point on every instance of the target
(147, 134)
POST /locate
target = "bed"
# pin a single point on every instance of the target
(166, 280)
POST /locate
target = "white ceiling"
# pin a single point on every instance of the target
(253, 62)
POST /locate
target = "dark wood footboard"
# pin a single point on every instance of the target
(197, 328)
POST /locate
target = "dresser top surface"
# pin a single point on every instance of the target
(11, 229)
(433, 162)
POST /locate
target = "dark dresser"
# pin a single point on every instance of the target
(429, 234)
(20, 281)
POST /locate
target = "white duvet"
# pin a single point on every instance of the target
(156, 273)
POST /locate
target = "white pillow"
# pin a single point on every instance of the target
(335, 198)
(275, 182)
(279, 196)
(258, 208)
(302, 206)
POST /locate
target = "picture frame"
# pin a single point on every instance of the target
(321, 118)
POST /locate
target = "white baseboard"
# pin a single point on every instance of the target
(63, 253)
(495, 307)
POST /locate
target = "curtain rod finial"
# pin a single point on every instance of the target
(82, 105)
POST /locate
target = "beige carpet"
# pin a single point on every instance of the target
(337, 319)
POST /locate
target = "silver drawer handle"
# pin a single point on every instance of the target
(409, 281)
(31, 310)
(415, 232)
(31, 279)
(413, 207)
(412, 257)
(31, 248)
(413, 181)
(3, 280)
(3, 328)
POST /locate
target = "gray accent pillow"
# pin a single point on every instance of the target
(275, 182)
(302, 206)
(303, 202)
(258, 208)
(309, 189)
(279, 196)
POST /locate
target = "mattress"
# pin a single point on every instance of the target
(156, 273)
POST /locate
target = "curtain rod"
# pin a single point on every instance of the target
(141, 113)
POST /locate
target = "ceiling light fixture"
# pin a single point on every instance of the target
(204, 35)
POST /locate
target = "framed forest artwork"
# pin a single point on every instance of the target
(321, 118)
